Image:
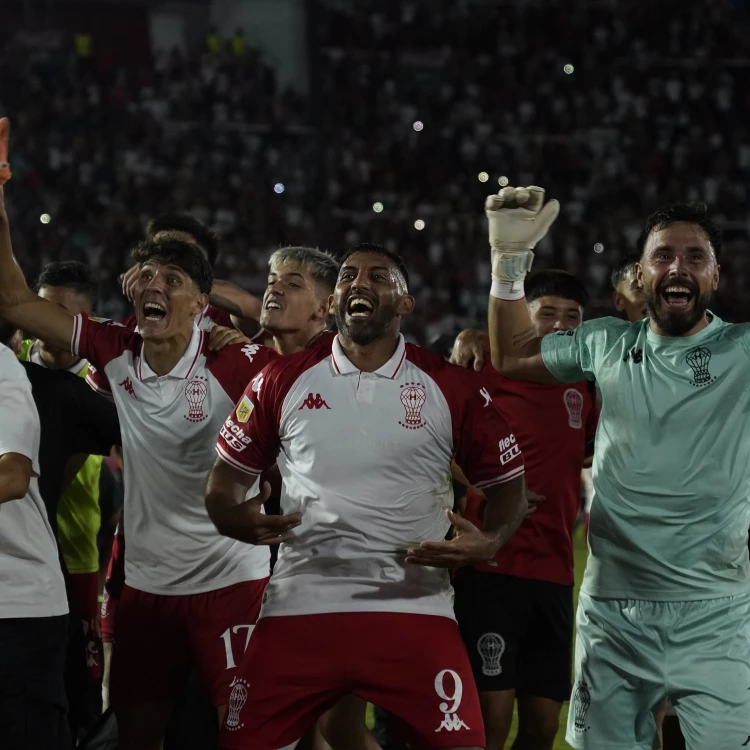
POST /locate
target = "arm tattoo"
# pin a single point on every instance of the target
(524, 337)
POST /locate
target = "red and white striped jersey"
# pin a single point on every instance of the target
(366, 458)
(169, 428)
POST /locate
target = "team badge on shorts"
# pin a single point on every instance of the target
(237, 699)
(581, 703)
(244, 410)
(491, 647)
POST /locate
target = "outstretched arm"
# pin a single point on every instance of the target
(18, 304)
(518, 219)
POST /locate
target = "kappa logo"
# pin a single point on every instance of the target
(635, 356)
(314, 402)
(127, 386)
(256, 383)
(485, 394)
(237, 699)
(250, 350)
(698, 359)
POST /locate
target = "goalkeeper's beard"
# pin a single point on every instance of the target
(675, 322)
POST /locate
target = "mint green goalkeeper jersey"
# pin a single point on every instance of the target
(671, 507)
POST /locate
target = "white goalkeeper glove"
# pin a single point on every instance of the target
(518, 219)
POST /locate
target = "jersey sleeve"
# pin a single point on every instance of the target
(99, 342)
(236, 365)
(740, 334)
(484, 446)
(19, 420)
(572, 356)
(249, 440)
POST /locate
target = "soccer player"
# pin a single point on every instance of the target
(626, 294)
(364, 427)
(33, 605)
(72, 286)
(516, 611)
(190, 593)
(664, 609)
(228, 304)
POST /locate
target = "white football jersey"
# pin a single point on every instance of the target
(366, 457)
(169, 428)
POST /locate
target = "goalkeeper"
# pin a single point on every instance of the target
(664, 608)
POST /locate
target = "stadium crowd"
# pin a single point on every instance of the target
(414, 114)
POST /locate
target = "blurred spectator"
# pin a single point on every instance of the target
(615, 108)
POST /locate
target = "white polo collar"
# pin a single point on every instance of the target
(342, 364)
(184, 368)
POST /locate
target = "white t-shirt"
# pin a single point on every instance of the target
(31, 581)
(169, 427)
(366, 457)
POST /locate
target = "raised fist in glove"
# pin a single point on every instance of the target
(518, 218)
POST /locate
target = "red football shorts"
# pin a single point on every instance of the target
(296, 668)
(159, 636)
(83, 597)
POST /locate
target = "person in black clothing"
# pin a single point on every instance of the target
(75, 422)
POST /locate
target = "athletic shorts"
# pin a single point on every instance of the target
(159, 636)
(630, 654)
(296, 668)
(32, 695)
(83, 596)
(518, 632)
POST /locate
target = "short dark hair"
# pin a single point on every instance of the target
(692, 213)
(555, 283)
(205, 237)
(373, 247)
(185, 255)
(624, 266)
(323, 267)
(70, 274)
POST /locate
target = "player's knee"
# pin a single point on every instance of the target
(541, 732)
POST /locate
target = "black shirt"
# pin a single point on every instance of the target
(74, 419)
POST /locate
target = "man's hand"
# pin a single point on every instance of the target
(247, 523)
(469, 347)
(5, 173)
(533, 500)
(220, 336)
(470, 545)
(128, 281)
(518, 219)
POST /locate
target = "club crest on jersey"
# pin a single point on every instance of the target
(413, 397)
(244, 410)
(195, 393)
(237, 699)
(574, 405)
(698, 359)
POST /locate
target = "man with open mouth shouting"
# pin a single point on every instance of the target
(190, 594)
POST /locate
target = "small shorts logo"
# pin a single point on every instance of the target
(244, 409)
(195, 393)
(698, 359)
(581, 703)
(451, 701)
(413, 397)
(574, 405)
(237, 699)
(491, 647)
